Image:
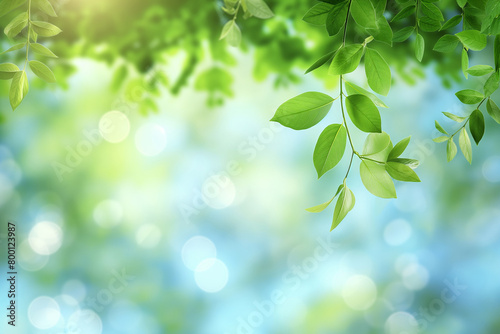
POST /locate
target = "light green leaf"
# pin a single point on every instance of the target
(465, 63)
(8, 70)
(378, 73)
(383, 33)
(465, 145)
(469, 96)
(329, 148)
(472, 39)
(454, 117)
(42, 50)
(476, 125)
(376, 180)
(345, 203)
(432, 11)
(233, 36)
(491, 85)
(320, 62)
(454, 21)
(493, 110)
(446, 43)
(45, 29)
(440, 128)
(401, 172)
(45, 6)
(355, 89)
(404, 13)
(412, 163)
(18, 89)
(321, 207)
(42, 71)
(346, 60)
(363, 13)
(377, 146)
(16, 25)
(451, 149)
(440, 139)
(419, 47)
(14, 48)
(259, 9)
(399, 148)
(480, 70)
(363, 113)
(403, 34)
(7, 5)
(318, 13)
(303, 111)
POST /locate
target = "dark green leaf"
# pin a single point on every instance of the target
(432, 11)
(317, 14)
(320, 62)
(355, 89)
(363, 13)
(491, 85)
(476, 125)
(454, 21)
(404, 13)
(446, 43)
(403, 34)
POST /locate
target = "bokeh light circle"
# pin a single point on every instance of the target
(150, 139)
(45, 237)
(401, 323)
(211, 275)
(196, 250)
(29, 259)
(359, 292)
(114, 126)
(44, 312)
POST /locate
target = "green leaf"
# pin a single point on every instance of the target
(469, 96)
(303, 111)
(432, 11)
(399, 148)
(345, 203)
(465, 63)
(493, 110)
(377, 146)
(336, 18)
(378, 72)
(42, 50)
(7, 5)
(45, 6)
(404, 13)
(428, 24)
(384, 31)
(401, 172)
(472, 39)
(346, 60)
(16, 25)
(329, 148)
(446, 43)
(419, 47)
(480, 70)
(8, 70)
(321, 207)
(14, 48)
(45, 29)
(440, 128)
(454, 21)
(412, 163)
(465, 145)
(496, 52)
(363, 13)
(462, 3)
(476, 125)
(355, 89)
(451, 149)
(320, 62)
(402, 34)
(440, 139)
(363, 113)
(259, 9)
(492, 84)
(18, 89)
(455, 118)
(376, 180)
(318, 13)
(232, 33)
(42, 71)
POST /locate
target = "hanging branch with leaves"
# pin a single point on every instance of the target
(32, 29)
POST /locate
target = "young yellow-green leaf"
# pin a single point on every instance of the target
(440, 128)
(378, 73)
(440, 139)
(465, 63)
(363, 13)
(18, 89)
(329, 148)
(493, 110)
(377, 146)
(323, 206)
(318, 13)
(472, 39)
(259, 9)
(376, 180)
(233, 33)
(355, 89)
(454, 21)
(14, 48)
(412, 163)
(404, 13)
(458, 119)
(432, 11)
(480, 70)
(7, 5)
(402, 34)
(346, 60)
(363, 113)
(45, 6)
(42, 50)
(16, 25)
(465, 145)
(447, 43)
(491, 84)
(469, 96)
(401, 172)
(451, 149)
(8, 70)
(476, 125)
(419, 47)
(399, 148)
(321, 61)
(45, 29)
(345, 203)
(303, 111)
(42, 71)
